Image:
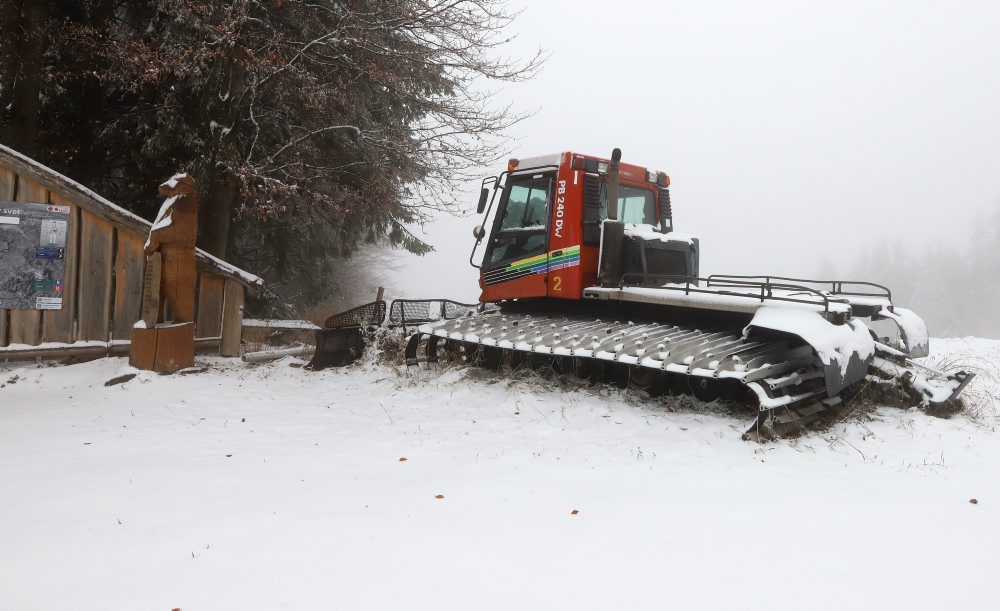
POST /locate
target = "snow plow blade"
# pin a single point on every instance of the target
(336, 348)
(342, 340)
(937, 392)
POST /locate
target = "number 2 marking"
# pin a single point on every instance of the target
(556, 283)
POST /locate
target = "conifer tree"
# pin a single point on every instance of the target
(312, 127)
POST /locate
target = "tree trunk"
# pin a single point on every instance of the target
(92, 101)
(27, 28)
(216, 214)
(228, 75)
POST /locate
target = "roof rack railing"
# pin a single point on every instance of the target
(763, 286)
(836, 286)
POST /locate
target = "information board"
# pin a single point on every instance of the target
(32, 255)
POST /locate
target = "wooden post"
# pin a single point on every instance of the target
(163, 340)
(232, 327)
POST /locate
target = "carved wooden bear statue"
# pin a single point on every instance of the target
(174, 234)
(163, 340)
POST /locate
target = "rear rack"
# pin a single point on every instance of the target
(763, 285)
(836, 286)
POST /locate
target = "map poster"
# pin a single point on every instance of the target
(32, 255)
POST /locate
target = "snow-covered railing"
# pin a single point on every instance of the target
(836, 286)
(759, 289)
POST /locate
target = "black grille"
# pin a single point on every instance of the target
(665, 210)
(592, 208)
(370, 314)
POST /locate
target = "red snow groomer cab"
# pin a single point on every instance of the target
(546, 235)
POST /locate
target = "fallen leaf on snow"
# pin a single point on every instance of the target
(440, 496)
(402, 459)
(974, 501)
(574, 512)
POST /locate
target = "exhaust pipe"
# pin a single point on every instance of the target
(609, 266)
(616, 158)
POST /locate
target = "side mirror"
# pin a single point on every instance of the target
(483, 196)
(478, 232)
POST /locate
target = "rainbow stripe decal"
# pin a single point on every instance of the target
(540, 264)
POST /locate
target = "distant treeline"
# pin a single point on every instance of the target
(954, 287)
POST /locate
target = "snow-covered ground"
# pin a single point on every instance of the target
(269, 487)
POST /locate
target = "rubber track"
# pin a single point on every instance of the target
(780, 375)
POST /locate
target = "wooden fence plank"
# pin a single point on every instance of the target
(7, 183)
(232, 319)
(26, 325)
(128, 283)
(96, 264)
(57, 325)
(210, 294)
(3, 327)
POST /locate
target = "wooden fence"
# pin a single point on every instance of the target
(103, 284)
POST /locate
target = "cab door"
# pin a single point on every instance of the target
(516, 262)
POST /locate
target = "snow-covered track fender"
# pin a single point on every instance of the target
(846, 350)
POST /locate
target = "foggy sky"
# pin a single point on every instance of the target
(794, 133)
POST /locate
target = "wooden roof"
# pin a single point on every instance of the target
(116, 215)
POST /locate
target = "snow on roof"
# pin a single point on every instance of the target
(70, 182)
(538, 162)
(89, 199)
(231, 269)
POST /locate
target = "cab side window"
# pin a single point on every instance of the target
(636, 206)
(522, 230)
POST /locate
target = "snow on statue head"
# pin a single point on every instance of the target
(180, 185)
